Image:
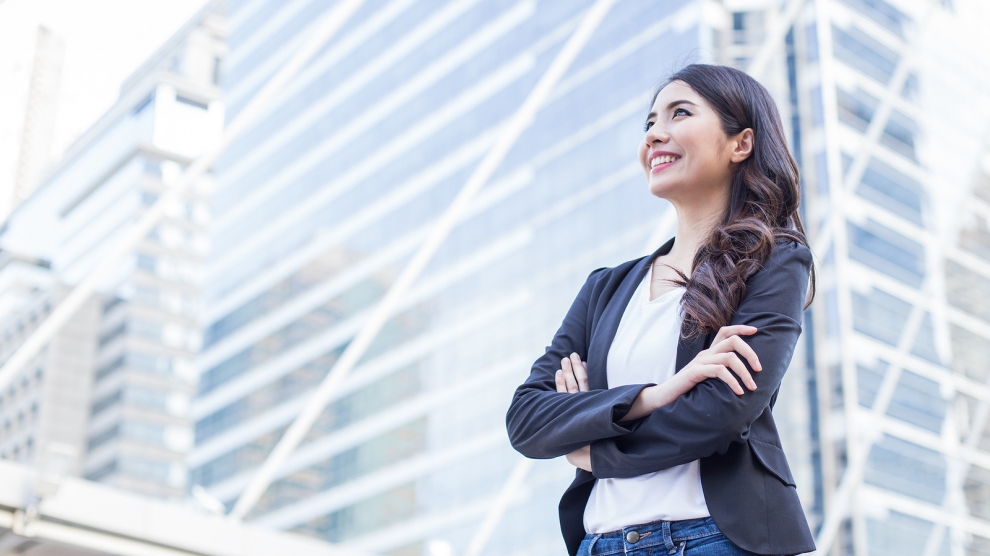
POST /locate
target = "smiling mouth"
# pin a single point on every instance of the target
(658, 163)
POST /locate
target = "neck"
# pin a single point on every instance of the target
(694, 223)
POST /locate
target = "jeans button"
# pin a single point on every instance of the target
(632, 536)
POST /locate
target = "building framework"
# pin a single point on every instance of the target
(898, 338)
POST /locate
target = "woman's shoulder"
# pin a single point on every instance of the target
(788, 261)
(787, 253)
(607, 273)
(781, 284)
(603, 281)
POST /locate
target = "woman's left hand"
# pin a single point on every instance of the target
(571, 377)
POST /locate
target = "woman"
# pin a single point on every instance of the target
(659, 383)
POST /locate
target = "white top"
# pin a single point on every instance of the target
(645, 350)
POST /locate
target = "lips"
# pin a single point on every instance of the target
(661, 160)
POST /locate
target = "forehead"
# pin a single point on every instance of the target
(675, 90)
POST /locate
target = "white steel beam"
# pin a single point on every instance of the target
(450, 218)
(501, 503)
(874, 130)
(774, 40)
(853, 475)
(830, 234)
(329, 25)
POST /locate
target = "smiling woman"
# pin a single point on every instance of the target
(663, 402)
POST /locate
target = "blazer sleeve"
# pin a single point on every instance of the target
(544, 423)
(710, 417)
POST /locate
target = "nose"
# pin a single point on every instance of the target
(656, 136)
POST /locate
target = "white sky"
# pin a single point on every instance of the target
(105, 40)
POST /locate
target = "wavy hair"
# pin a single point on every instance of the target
(763, 200)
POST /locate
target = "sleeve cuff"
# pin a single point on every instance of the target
(626, 395)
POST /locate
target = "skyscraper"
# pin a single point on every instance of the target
(33, 62)
(892, 105)
(47, 404)
(122, 370)
(322, 203)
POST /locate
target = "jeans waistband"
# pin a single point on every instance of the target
(669, 534)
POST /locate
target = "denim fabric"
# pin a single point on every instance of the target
(691, 537)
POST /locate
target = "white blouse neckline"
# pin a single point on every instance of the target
(649, 282)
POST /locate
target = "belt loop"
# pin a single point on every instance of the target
(667, 540)
(591, 545)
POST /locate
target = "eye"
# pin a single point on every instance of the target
(647, 126)
(679, 110)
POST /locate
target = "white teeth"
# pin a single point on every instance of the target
(662, 160)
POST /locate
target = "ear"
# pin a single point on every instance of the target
(741, 145)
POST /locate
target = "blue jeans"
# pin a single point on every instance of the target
(690, 537)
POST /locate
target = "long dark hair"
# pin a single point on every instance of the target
(763, 201)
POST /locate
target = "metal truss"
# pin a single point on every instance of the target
(384, 309)
(322, 32)
(831, 235)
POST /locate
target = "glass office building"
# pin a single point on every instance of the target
(114, 385)
(893, 109)
(320, 205)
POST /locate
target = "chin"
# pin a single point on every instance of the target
(662, 189)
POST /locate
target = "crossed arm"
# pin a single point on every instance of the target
(704, 420)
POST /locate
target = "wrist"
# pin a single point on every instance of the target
(671, 389)
(653, 397)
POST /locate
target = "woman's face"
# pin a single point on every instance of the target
(685, 154)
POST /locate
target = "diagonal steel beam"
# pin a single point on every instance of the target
(874, 130)
(324, 30)
(505, 495)
(853, 475)
(774, 39)
(380, 314)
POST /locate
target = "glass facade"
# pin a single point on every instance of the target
(128, 359)
(322, 202)
(893, 124)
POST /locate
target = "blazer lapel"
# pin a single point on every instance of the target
(609, 322)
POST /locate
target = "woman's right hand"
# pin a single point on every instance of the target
(720, 361)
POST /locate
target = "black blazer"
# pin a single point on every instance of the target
(744, 474)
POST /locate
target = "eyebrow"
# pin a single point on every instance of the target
(669, 106)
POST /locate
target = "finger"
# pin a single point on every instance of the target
(727, 377)
(742, 348)
(580, 372)
(558, 378)
(732, 330)
(565, 365)
(732, 361)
